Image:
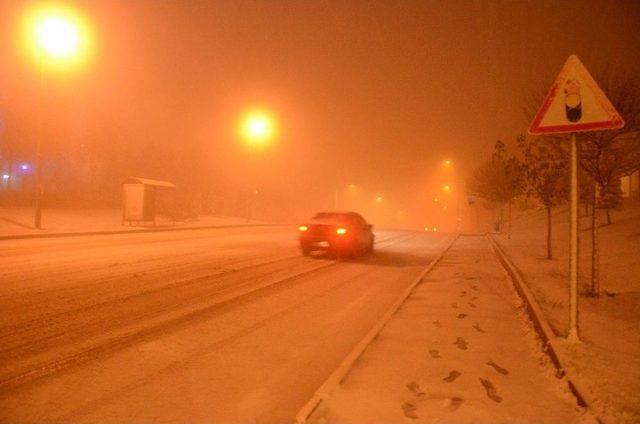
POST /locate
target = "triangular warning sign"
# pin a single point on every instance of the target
(575, 103)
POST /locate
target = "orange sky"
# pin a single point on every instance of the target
(374, 93)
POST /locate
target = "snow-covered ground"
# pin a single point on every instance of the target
(222, 325)
(15, 221)
(608, 359)
(459, 350)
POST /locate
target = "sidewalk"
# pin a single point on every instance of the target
(18, 222)
(459, 350)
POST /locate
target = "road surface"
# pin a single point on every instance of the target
(224, 325)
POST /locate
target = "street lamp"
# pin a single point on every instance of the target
(336, 200)
(257, 128)
(57, 38)
(446, 188)
(447, 163)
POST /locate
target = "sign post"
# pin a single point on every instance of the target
(575, 103)
(573, 244)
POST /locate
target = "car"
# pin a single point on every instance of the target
(345, 234)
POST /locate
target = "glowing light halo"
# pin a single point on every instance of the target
(257, 128)
(56, 36)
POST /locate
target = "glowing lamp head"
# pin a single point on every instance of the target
(379, 199)
(57, 37)
(447, 163)
(303, 228)
(435, 229)
(257, 128)
(426, 228)
(341, 231)
(446, 188)
(5, 176)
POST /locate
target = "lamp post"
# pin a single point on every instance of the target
(257, 128)
(55, 37)
(336, 199)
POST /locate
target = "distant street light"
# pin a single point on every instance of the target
(336, 201)
(446, 188)
(257, 128)
(447, 163)
(379, 199)
(56, 37)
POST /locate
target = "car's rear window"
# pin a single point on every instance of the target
(340, 217)
(332, 216)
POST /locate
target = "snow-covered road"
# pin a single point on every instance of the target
(226, 325)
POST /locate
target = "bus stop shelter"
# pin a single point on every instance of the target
(139, 199)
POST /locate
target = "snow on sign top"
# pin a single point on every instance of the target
(575, 103)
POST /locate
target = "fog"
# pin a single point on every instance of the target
(368, 99)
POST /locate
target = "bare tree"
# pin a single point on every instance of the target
(498, 180)
(545, 171)
(606, 156)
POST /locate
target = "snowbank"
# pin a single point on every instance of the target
(18, 221)
(608, 359)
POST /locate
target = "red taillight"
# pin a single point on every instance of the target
(341, 231)
(303, 228)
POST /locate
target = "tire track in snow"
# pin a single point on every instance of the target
(162, 319)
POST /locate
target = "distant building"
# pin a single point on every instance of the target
(630, 185)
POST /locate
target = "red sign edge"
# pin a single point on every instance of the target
(616, 123)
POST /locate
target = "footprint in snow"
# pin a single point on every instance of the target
(470, 278)
(454, 305)
(409, 410)
(474, 298)
(498, 368)
(461, 343)
(478, 328)
(415, 389)
(454, 403)
(461, 316)
(474, 287)
(492, 393)
(463, 293)
(473, 305)
(437, 324)
(434, 354)
(452, 376)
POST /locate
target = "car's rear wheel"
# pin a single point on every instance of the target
(306, 250)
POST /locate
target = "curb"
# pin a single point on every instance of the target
(336, 377)
(135, 231)
(542, 327)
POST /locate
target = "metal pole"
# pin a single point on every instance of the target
(573, 230)
(335, 200)
(38, 183)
